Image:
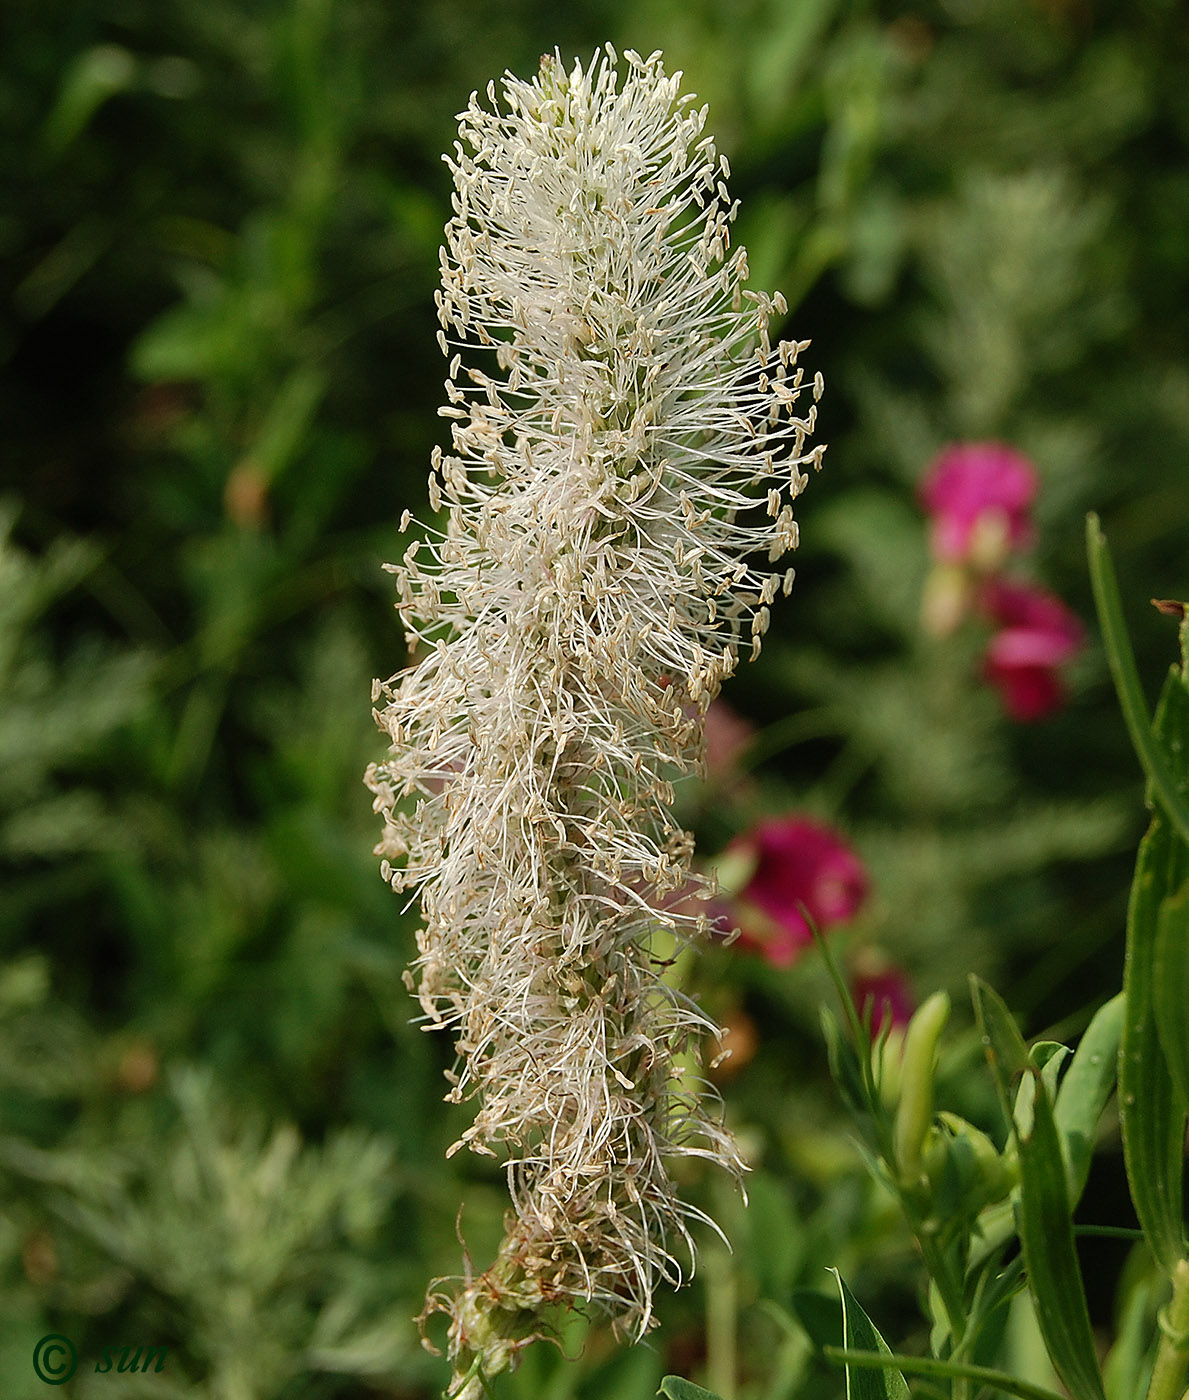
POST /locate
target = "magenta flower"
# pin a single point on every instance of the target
(977, 495)
(887, 987)
(797, 862)
(1037, 635)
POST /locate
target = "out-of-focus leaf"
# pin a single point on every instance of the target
(187, 342)
(287, 421)
(1123, 1373)
(845, 1070)
(63, 266)
(772, 1235)
(92, 79)
(820, 1315)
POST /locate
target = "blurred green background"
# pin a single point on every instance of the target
(219, 225)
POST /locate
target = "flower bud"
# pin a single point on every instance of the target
(914, 1113)
(981, 1174)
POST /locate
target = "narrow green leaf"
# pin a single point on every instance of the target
(1002, 1042)
(95, 76)
(1127, 684)
(186, 342)
(1151, 1115)
(1152, 1112)
(845, 1068)
(1043, 1212)
(287, 421)
(859, 1334)
(1170, 987)
(1085, 1090)
(849, 1009)
(1046, 1233)
(1048, 1057)
(674, 1388)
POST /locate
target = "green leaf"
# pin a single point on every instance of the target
(845, 1069)
(1048, 1057)
(187, 342)
(1044, 1212)
(1046, 1233)
(1151, 1113)
(1002, 1042)
(1170, 987)
(674, 1388)
(1085, 1090)
(287, 421)
(94, 77)
(859, 1334)
(1173, 795)
(771, 1228)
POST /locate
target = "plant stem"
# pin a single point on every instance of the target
(1172, 1359)
(929, 1366)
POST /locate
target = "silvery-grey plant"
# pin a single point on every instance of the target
(626, 441)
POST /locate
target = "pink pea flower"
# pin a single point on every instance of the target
(887, 986)
(796, 861)
(977, 495)
(1037, 635)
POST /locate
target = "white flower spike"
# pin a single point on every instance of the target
(626, 440)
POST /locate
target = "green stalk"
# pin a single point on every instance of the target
(928, 1366)
(1172, 1359)
(722, 1304)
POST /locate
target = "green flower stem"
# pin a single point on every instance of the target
(1172, 1358)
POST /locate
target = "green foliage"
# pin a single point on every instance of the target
(1044, 1213)
(859, 1334)
(675, 1388)
(1052, 1124)
(56, 716)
